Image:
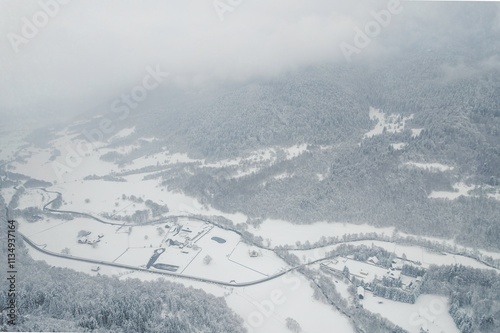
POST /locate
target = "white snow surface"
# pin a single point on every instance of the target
(429, 312)
(282, 232)
(460, 189)
(430, 166)
(415, 132)
(124, 133)
(398, 146)
(265, 307)
(393, 123)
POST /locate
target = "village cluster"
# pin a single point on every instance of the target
(367, 274)
(185, 235)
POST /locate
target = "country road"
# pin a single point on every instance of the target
(140, 269)
(176, 275)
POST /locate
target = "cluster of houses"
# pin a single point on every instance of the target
(182, 236)
(370, 271)
(178, 236)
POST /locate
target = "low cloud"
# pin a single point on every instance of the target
(91, 51)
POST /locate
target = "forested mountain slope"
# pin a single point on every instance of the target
(363, 179)
(433, 169)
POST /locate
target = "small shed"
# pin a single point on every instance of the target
(361, 292)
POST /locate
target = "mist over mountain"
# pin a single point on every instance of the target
(85, 66)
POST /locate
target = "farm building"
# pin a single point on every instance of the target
(397, 264)
(374, 260)
(393, 274)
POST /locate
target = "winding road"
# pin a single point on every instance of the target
(171, 274)
(140, 269)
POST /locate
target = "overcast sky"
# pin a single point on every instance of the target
(91, 50)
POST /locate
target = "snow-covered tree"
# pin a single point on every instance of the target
(293, 325)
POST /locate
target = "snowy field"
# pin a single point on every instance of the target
(415, 132)
(123, 273)
(13, 133)
(286, 233)
(429, 312)
(33, 198)
(393, 123)
(70, 166)
(106, 196)
(231, 259)
(398, 146)
(71, 158)
(433, 167)
(124, 133)
(265, 307)
(161, 159)
(37, 165)
(261, 156)
(284, 175)
(255, 157)
(265, 262)
(257, 160)
(7, 193)
(46, 233)
(121, 149)
(466, 190)
(459, 190)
